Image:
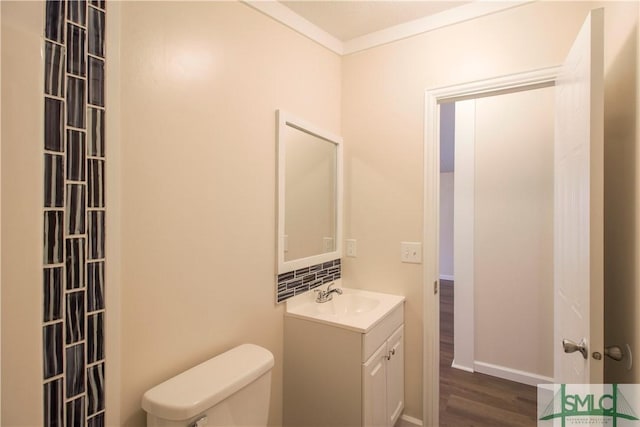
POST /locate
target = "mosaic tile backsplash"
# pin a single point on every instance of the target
(74, 214)
(299, 281)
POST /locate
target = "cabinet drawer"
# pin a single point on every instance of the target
(381, 332)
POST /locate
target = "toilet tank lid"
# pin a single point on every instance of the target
(205, 385)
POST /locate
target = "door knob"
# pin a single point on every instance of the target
(571, 347)
(614, 352)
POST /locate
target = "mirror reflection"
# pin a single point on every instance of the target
(309, 194)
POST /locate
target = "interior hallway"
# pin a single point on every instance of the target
(474, 399)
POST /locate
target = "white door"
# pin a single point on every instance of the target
(579, 208)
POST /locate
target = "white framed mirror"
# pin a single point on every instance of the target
(309, 202)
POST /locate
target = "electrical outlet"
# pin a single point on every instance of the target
(411, 252)
(327, 244)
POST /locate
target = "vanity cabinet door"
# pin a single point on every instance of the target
(395, 376)
(374, 389)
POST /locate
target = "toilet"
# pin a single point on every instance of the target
(231, 389)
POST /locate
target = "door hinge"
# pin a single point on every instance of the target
(435, 287)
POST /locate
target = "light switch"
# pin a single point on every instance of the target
(351, 247)
(411, 252)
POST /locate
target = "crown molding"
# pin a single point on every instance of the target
(445, 18)
(288, 17)
(466, 12)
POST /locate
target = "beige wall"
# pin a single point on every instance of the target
(446, 224)
(622, 188)
(22, 201)
(513, 283)
(635, 257)
(201, 82)
(447, 166)
(184, 221)
(0, 222)
(383, 116)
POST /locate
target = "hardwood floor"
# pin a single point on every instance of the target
(473, 399)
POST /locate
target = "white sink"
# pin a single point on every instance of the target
(355, 309)
(348, 304)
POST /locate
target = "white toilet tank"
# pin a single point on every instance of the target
(231, 389)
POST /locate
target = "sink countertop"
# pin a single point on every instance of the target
(356, 309)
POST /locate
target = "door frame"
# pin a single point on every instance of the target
(431, 222)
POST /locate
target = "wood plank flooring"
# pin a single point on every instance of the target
(473, 399)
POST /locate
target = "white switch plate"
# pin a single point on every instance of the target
(411, 252)
(351, 247)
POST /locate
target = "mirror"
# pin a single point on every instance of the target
(309, 194)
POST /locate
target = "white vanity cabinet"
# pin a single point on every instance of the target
(383, 382)
(336, 375)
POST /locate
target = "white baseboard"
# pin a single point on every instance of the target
(446, 277)
(461, 367)
(407, 421)
(511, 374)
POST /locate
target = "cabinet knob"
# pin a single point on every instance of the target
(391, 353)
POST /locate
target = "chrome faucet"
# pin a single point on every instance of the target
(327, 294)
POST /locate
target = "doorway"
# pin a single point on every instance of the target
(503, 252)
(536, 79)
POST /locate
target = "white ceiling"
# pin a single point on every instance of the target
(349, 26)
(348, 19)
